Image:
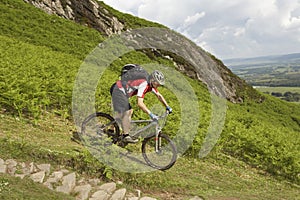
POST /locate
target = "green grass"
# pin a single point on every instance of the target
(12, 188)
(265, 135)
(211, 179)
(25, 23)
(35, 77)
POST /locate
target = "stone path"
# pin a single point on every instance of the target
(67, 182)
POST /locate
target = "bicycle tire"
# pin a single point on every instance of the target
(103, 124)
(165, 158)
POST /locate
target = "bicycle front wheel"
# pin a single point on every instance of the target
(99, 124)
(159, 153)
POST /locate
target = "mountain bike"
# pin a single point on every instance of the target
(158, 150)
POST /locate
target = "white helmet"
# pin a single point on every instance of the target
(158, 77)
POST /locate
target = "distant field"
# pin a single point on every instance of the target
(278, 89)
(291, 94)
(278, 71)
(278, 76)
(270, 75)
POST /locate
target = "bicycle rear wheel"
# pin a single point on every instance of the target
(100, 123)
(166, 155)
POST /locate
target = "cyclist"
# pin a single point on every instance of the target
(120, 98)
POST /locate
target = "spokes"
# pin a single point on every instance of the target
(160, 154)
(100, 124)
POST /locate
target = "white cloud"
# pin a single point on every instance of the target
(124, 6)
(239, 32)
(227, 29)
(190, 20)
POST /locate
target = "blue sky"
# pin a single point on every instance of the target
(227, 29)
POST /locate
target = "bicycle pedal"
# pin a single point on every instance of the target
(129, 139)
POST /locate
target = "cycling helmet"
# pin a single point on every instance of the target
(158, 77)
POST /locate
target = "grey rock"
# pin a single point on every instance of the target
(94, 181)
(32, 168)
(68, 183)
(11, 166)
(100, 195)
(108, 187)
(38, 177)
(25, 169)
(3, 166)
(119, 194)
(55, 177)
(132, 198)
(44, 167)
(147, 198)
(139, 193)
(82, 191)
(94, 14)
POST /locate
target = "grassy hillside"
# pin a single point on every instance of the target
(40, 55)
(218, 176)
(13, 188)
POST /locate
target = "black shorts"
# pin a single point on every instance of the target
(119, 99)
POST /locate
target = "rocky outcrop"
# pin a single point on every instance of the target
(71, 183)
(68, 182)
(208, 69)
(86, 12)
(190, 59)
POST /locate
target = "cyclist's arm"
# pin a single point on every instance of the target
(142, 106)
(161, 99)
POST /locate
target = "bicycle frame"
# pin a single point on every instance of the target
(138, 132)
(154, 141)
(151, 123)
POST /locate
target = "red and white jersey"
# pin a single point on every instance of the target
(137, 87)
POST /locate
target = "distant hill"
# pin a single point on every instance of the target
(277, 70)
(273, 59)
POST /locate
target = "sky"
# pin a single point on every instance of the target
(226, 28)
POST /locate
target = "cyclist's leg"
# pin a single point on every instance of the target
(120, 102)
(121, 105)
(126, 119)
(123, 108)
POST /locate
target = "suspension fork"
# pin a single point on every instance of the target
(157, 139)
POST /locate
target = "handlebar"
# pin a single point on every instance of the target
(150, 120)
(164, 115)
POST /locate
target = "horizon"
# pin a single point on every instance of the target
(264, 56)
